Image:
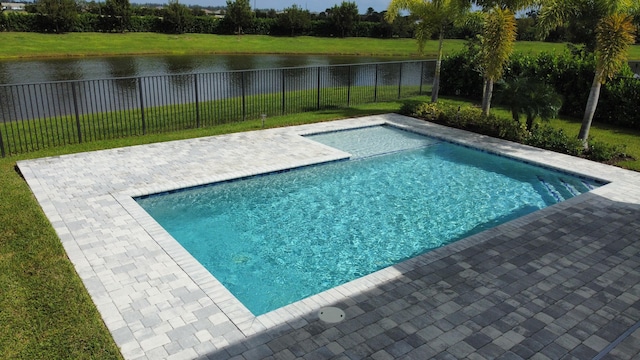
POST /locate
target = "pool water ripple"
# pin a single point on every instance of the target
(276, 239)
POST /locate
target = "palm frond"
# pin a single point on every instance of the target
(498, 40)
(614, 35)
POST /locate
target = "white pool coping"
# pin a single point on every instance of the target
(155, 298)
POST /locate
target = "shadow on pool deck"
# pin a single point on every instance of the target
(563, 286)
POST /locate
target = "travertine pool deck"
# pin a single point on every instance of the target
(563, 282)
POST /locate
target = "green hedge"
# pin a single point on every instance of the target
(89, 22)
(570, 74)
(545, 137)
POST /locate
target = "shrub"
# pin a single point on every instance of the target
(460, 77)
(467, 118)
(86, 22)
(546, 137)
(619, 102)
(205, 25)
(599, 151)
(146, 23)
(19, 22)
(422, 110)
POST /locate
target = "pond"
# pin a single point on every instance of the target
(44, 70)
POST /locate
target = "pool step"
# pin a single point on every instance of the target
(561, 189)
(551, 189)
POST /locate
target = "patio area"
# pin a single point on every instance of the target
(561, 283)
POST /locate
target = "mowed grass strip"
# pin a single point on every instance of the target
(45, 311)
(32, 45)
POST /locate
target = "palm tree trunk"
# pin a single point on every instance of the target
(530, 118)
(488, 93)
(515, 115)
(590, 110)
(436, 78)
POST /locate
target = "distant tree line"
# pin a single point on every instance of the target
(60, 16)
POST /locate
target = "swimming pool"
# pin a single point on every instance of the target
(272, 240)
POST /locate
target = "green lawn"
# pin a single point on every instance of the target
(25, 45)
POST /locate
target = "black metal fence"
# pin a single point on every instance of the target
(37, 116)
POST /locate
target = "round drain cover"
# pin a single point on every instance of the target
(331, 315)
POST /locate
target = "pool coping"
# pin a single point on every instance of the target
(156, 299)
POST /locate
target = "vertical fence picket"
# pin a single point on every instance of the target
(400, 82)
(318, 69)
(76, 111)
(2, 151)
(284, 91)
(375, 85)
(195, 82)
(421, 77)
(141, 101)
(244, 97)
(349, 86)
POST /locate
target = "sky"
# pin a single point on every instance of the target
(311, 5)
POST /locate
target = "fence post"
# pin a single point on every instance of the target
(400, 82)
(195, 81)
(421, 76)
(284, 91)
(375, 86)
(75, 107)
(349, 88)
(2, 145)
(244, 100)
(141, 95)
(318, 68)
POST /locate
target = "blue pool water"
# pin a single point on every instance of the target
(275, 239)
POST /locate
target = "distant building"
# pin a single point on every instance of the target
(13, 6)
(218, 14)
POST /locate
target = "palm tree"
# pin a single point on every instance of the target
(529, 97)
(614, 34)
(497, 41)
(498, 38)
(432, 17)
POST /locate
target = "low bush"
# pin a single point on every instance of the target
(607, 153)
(547, 137)
(543, 136)
(466, 118)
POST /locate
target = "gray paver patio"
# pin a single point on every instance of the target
(561, 283)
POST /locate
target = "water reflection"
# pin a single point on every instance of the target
(35, 71)
(121, 66)
(4, 78)
(61, 70)
(180, 64)
(292, 61)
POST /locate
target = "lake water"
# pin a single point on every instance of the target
(55, 87)
(44, 70)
